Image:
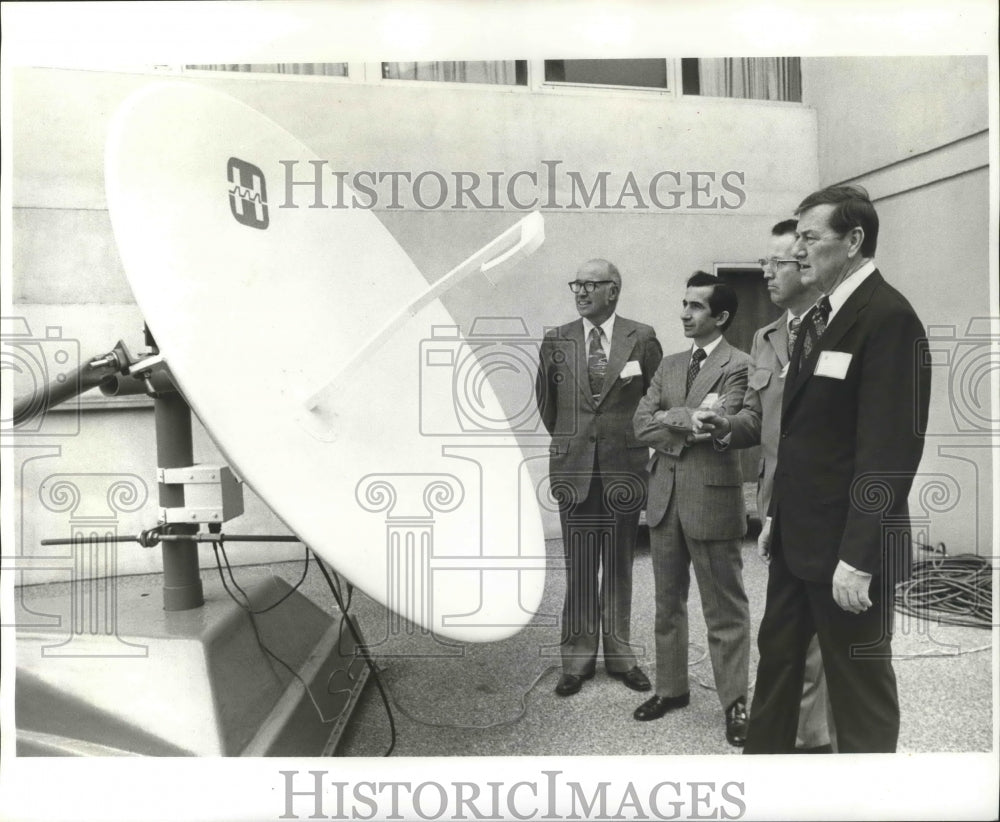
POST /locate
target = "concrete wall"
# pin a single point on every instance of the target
(67, 274)
(914, 132)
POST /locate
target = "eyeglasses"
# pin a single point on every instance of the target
(587, 286)
(772, 263)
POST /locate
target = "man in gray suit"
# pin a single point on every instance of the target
(592, 374)
(695, 508)
(759, 421)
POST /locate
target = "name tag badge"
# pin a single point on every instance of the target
(833, 364)
(631, 369)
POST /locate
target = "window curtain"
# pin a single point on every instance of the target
(751, 78)
(493, 72)
(318, 69)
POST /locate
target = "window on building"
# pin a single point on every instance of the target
(631, 73)
(489, 72)
(746, 78)
(316, 69)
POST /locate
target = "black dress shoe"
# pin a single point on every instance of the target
(634, 679)
(657, 706)
(569, 684)
(736, 723)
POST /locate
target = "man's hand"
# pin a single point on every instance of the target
(764, 541)
(850, 588)
(705, 420)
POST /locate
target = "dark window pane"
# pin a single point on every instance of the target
(317, 69)
(745, 78)
(491, 72)
(690, 78)
(638, 73)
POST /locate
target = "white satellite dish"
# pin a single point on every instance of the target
(296, 336)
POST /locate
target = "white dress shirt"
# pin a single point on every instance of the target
(607, 327)
(839, 295)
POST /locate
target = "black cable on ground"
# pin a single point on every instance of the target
(949, 590)
(360, 646)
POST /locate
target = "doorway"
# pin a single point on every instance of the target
(755, 310)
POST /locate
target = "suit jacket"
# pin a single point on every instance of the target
(851, 439)
(759, 420)
(582, 426)
(707, 483)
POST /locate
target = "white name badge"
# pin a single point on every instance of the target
(631, 369)
(833, 364)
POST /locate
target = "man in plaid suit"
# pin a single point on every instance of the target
(695, 508)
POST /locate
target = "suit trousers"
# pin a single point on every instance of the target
(857, 659)
(815, 723)
(598, 546)
(718, 569)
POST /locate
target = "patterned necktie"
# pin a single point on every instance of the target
(815, 325)
(793, 333)
(597, 362)
(695, 366)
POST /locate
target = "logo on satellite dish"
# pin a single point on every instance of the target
(247, 193)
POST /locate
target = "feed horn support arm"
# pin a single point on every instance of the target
(88, 375)
(199, 643)
(120, 372)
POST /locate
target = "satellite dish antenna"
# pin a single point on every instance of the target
(299, 337)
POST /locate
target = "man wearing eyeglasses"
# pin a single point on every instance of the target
(592, 373)
(853, 411)
(759, 422)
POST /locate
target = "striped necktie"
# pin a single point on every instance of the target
(793, 333)
(597, 362)
(693, 369)
(815, 325)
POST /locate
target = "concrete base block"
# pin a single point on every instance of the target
(129, 678)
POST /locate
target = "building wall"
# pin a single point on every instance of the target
(914, 132)
(925, 162)
(67, 274)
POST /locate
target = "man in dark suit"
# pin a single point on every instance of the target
(853, 409)
(695, 508)
(759, 422)
(592, 373)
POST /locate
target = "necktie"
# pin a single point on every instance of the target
(694, 368)
(815, 325)
(597, 362)
(793, 333)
